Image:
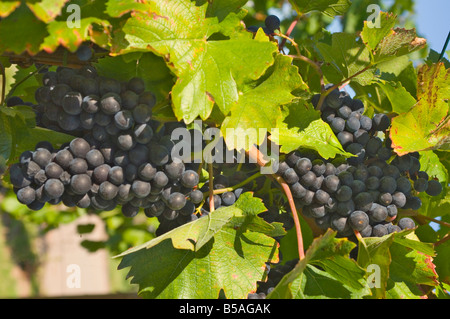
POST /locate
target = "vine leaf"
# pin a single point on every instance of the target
(329, 7)
(401, 100)
(426, 126)
(16, 125)
(257, 109)
(430, 163)
(386, 42)
(24, 38)
(7, 7)
(393, 252)
(221, 8)
(71, 38)
(330, 254)
(189, 261)
(347, 56)
(47, 11)
(301, 126)
(209, 71)
(127, 66)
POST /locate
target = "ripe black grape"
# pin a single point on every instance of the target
(79, 147)
(176, 201)
(303, 166)
(272, 23)
(298, 191)
(136, 85)
(140, 189)
(84, 52)
(78, 166)
(71, 103)
(228, 198)
(94, 158)
(381, 122)
(54, 188)
(108, 190)
(26, 195)
(434, 188)
(110, 103)
(147, 172)
(189, 179)
(116, 175)
(406, 223)
(359, 220)
(80, 184)
(42, 157)
(52, 170)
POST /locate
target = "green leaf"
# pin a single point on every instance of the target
(193, 235)
(375, 251)
(221, 8)
(373, 35)
(401, 100)
(314, 283)
(430, 163)
(425, 127)
(386, 42)
(46, 10)
(400, 257)
(256, 109)
(301, 126)
(433, 206)
(24, 38)
(349, 57)
(329, 7)
(124, 67)
(6, 7)
(188, 262)
(71, 38)
(164, 272)
(442, 261)
(209, 71)
(332, 255)
(411, 266)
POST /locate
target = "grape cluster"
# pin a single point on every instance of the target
(361, 193)
(119, 155)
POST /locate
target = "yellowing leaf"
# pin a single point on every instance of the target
(426, 125)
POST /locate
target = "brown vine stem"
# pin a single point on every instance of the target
(442, 240)
(3, 83)
(254, 154)
(232, 188)
(11, 91)
(423, 217)
(299, 56)
(288, 32)
(211, 188)
(316, 66)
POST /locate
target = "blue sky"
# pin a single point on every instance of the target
(432, 22)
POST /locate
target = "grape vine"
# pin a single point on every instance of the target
(95, 121)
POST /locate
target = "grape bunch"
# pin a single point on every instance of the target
(361, 193)
(79, 102)
(119, 155)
